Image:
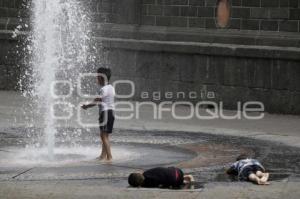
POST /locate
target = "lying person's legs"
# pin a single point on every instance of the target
(262, 175)
(259, 174)
(260, 181)
(254, 178)
(265, 178)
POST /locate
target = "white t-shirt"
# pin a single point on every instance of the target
(107, 94)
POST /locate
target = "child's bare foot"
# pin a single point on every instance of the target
(109, 158)
(261, 182)
(107, 161)
(100, 158)
(265, 177)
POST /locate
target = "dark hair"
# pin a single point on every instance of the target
(242, 157)
(135, 179)
(105, 71)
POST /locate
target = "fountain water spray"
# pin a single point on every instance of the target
(60, 41)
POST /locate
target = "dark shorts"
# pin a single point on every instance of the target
(106, 121)
(250, 170)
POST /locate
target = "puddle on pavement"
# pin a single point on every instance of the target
(144, 149)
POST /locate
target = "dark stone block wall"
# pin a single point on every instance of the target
(114, 11)
(11, 59)
(261, 15)
(234, 74)
(150, 49)
(10, 13)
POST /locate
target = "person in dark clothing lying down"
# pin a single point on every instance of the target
(160, 177)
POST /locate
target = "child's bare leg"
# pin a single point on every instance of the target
(107, 146)
(265, 177)
(254, 178)
(259, 174)
(103, 152)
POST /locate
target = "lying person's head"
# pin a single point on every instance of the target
(136, 179)
(242, 157)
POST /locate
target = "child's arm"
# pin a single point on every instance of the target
(91, 104)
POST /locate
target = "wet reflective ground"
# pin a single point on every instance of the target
(24, 157)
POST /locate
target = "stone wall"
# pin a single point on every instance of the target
(176, 46)
(231, 73)
(11, 11)
(262, 15)
(114, 11)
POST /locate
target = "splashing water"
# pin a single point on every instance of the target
(60, 41)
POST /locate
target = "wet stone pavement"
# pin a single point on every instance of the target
(23, 156)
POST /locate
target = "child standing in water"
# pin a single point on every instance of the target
(105, 101)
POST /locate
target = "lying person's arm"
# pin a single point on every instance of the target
(91, 104)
